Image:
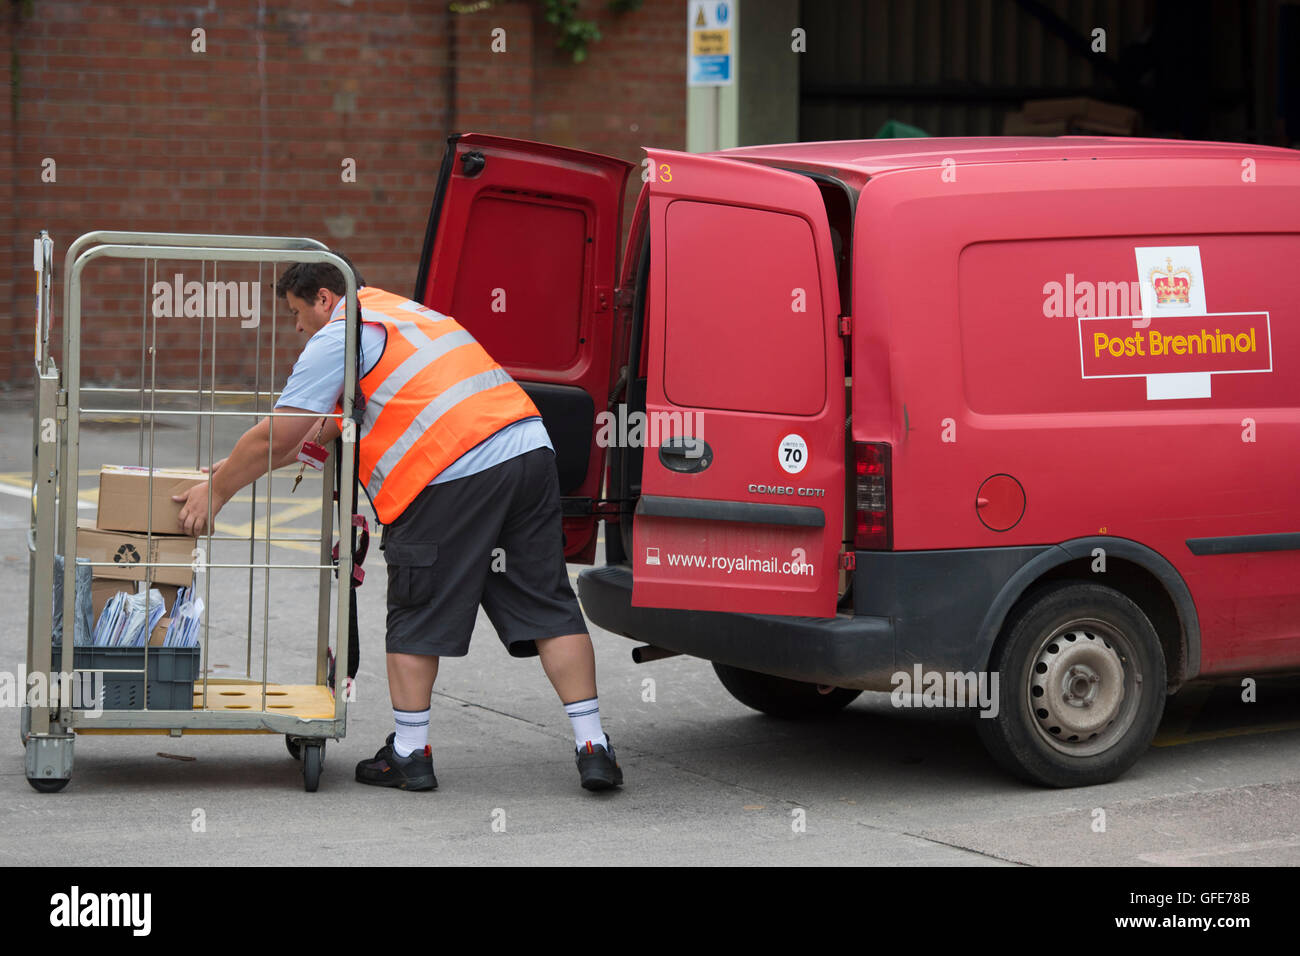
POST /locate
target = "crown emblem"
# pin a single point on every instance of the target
(1173, 286)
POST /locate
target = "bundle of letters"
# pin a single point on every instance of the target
(186, 615)
(128, 618)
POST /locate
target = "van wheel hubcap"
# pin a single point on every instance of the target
(1083, 687)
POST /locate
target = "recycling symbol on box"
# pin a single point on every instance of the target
(127, 554)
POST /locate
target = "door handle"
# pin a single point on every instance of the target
(686, 455)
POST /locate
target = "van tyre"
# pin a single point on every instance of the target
(1081, 687)
(781, 697)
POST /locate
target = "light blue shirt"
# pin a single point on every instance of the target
(316, 385)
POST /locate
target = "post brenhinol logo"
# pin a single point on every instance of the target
(76, 909)
(1172, 285)
(1176, 344)
(1171, 280)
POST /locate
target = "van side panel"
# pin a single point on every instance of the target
(1031, 401)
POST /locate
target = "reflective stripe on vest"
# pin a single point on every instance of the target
(433, 395)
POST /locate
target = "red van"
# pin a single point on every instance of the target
(1009, 423)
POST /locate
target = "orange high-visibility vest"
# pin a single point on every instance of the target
(433, 395)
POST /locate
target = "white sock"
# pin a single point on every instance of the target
(412, 731)
(585, 717)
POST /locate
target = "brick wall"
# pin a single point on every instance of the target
(249, 137)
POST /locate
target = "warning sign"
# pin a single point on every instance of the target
(712, 42)
(711, 52)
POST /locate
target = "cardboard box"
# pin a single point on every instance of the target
(1084, 111)
(125, 554)
(1070, 116)
(1016, 124)
(160, 632)
(124, 498)
(101, 589)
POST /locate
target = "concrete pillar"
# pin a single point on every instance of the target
(762, 105)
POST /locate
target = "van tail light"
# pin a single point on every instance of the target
(873, 529)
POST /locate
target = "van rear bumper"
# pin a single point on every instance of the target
(938, 609)
(847, 650)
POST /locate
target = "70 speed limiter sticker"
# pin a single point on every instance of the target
(792, 454)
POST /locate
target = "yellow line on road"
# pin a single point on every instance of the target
(288, 513)
(1177, 740)
(279, 522)
(1186, 708)
(294, 508)
(19, 479)
(1182, 711)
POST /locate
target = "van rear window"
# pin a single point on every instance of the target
(745, 323)
(533, 318)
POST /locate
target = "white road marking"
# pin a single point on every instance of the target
(7, 489)
(1182, 857)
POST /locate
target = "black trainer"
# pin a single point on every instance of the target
(598, 767)
(387, 769)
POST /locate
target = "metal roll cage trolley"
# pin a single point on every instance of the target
(307, 715)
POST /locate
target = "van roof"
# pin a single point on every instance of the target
(873, 156)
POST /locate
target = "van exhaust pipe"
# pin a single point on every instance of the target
(648, 652)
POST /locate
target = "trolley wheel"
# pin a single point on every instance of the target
(313, 759)
(42, 785)
(291, 745)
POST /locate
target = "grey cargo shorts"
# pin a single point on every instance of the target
(493, 538)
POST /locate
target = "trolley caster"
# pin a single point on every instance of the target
(47, 761)
(313, 760)
(294, 748)
(41, 785)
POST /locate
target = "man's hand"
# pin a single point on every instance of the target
(247, 462)
(194, 516)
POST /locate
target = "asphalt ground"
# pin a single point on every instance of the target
(707, 780)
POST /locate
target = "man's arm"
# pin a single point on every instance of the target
(248, 462)
(329, 431)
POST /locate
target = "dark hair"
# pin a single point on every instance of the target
(305, 279)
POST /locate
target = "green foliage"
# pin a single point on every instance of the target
(572, 33)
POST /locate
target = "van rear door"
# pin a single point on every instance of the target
(742, 500)
(521, 250)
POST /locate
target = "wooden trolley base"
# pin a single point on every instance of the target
(308, 701)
